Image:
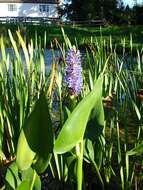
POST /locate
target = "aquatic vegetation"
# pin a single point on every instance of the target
(97, 143)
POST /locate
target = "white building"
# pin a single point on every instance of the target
(29, 8)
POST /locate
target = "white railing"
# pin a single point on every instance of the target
(46, 20)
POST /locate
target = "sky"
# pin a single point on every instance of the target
(131, 2)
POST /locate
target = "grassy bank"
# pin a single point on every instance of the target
(46, 34)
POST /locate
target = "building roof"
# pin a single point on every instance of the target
(29, 1)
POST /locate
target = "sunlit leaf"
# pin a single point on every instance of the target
(28, 175)
(36, 138)
(25, 185)
(25, 155)
(14, 46)
(12, 177)
(74, 128)
(23, 44)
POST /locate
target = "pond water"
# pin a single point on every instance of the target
(48, 55)
(48, 58)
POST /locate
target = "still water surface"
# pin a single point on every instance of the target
(47, 53)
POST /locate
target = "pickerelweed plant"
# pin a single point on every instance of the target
(73, 72)
(79, 112)
(73, 80)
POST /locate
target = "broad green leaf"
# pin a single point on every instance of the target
(12, 177)
(25, 155)
(88, 150)
(138, 150)
(25, 185)
(96, 122)
(36, 138)
(28, 175)
(74, 127)
(41, 163)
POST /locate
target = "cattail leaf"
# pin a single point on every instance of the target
(74, 127)
(36, 138)
(3, 50)
(14, 46)
(25, 50)
(66, 39)
(138, 150)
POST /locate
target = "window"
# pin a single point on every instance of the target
(12, 7)
(44, 8)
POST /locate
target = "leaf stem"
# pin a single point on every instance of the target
(33, 180)
(79, 153)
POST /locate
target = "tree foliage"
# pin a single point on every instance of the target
(113, 11)
(91, 9)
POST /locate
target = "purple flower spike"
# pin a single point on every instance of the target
(73, 72)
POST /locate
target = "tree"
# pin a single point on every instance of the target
(79, 10)
(109, 9)
(138, 14)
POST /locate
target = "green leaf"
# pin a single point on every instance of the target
(25, 185)
(25, 51)
(88, 150)
(36, 138)
(71, 161)
(66, 39)
(25, 155)
(27, 175)
(138, 150)
(74, 127)
(96, 122)
(12, 177)
(3, 49)
(41, 163)
(14, 46)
